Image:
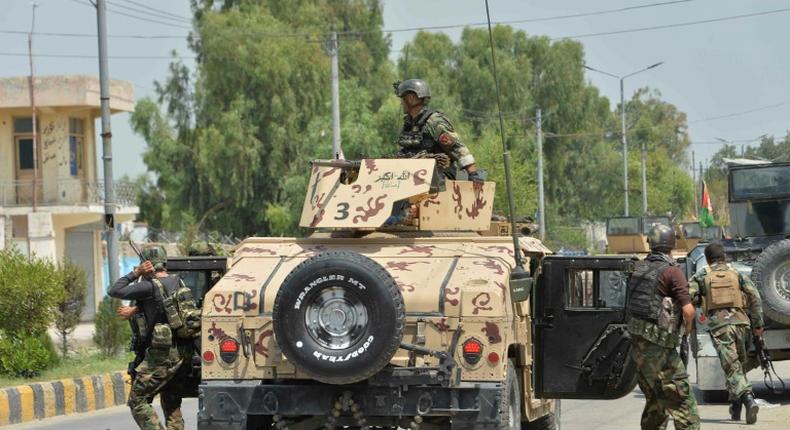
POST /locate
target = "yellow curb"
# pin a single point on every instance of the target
(109, 393)
(90, 394)
(5, 413)
(27, 411)
(69, 396)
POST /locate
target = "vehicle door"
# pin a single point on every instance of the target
(581, 342)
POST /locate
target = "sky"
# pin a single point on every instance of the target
(731, 77)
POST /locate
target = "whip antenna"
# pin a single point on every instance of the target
(505, 154)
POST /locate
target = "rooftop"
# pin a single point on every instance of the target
(63, 91)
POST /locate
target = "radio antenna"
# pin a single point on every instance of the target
(505, 154)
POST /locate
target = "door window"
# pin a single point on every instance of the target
(595, 289)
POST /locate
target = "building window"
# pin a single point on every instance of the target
(23, 136)
(76, 145)
(25, 151)
(23, 125)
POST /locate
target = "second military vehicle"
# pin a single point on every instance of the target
(758, 245)
(397, 312)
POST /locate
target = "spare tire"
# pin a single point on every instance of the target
(339, 317)
(771, 275)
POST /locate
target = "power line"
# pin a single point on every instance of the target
(528, 20)
(93, 36)
(148, 13)
(159, 11)
(359, 32)
(680, 24)
(731, 115)
(117, 57)
(128, 15)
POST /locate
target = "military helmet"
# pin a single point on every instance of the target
(417, 86)
(661, 236)
(156, 254)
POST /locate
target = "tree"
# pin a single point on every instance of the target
(69, 309)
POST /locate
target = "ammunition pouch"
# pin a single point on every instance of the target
(163, 337)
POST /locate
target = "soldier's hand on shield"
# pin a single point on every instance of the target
(758, 331)
(126, 312)
(475, 177)
(145, 269)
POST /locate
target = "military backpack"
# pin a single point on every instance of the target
(722, 289)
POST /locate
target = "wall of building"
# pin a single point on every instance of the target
(7, 158)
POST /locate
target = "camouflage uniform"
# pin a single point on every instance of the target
(159, 373)
(730, 330)
(167, 359)
(663, 379)
(431, 131)
(661, 374)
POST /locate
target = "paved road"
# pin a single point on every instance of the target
(621, 414)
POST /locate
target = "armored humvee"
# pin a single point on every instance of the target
(758, 245)
(397, 312)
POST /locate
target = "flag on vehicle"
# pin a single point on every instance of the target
(706, 210)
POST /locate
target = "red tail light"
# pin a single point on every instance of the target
(473, 349)
(229, 350)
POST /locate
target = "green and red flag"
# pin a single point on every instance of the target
(706, 210)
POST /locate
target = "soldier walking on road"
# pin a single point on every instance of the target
(658, 306)
(171, 324)
(733, 308)
(429, 131)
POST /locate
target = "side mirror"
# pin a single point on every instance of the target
(521, 283)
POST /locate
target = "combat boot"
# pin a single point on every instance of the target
(751, 407)
(735, 410)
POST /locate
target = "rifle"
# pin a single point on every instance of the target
(684, 350)
(135, 343)
(767, 365)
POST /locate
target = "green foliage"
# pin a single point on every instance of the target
(26, 354)
(69, 309)
(111, 333)
(229, 145)
(30, 288)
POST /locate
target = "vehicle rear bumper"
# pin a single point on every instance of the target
(226, 404)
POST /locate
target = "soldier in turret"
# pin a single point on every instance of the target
(733, 308)
(429, 131)
(659, 312)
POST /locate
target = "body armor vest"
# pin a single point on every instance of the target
(722, 288)
(645, 301)
(183, 316)
(413, 139)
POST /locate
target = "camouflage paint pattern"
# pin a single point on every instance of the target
(449, 283)
(732, 343)
(663, 380)
(159, 374)
(367, 201)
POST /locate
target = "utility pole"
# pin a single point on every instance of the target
(623, 138)
(624, 141)
(644, 178)
(106, 137)
(694, 180)
(541, 204)
(333, 48)
(32, 85)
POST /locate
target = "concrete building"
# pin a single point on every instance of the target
(52, 196)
